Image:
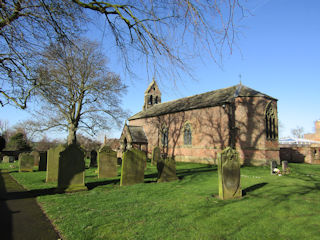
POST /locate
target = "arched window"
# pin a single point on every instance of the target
(187, 135)
(156, 100)
(150, 100)
(164, 136)
(271, 123)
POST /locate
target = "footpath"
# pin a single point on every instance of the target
(20, 215)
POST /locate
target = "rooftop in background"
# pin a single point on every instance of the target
(297, 141)
(208, 99)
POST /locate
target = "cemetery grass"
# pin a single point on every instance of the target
(273, 207)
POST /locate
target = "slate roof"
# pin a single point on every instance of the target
(208, 99)
(137, 134)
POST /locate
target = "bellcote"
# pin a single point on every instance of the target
(152, 95)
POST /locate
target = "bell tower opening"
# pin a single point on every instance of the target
(152, 96)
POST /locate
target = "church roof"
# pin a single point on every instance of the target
(208, 99)
(137, 134)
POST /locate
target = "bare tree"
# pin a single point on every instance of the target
(77, 90)
(26, 26)
(297, 132)
(167, 33)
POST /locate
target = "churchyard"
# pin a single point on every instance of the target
(271, 206)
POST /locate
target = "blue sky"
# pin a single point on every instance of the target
(277, 53)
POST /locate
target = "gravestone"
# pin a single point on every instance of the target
(11, 159)
(107, 163)
(132, 170)
(273, 165)
(26, 161)
(43, 161)
(229, 174)
(285, 167)
(53, 155)
(155, 156)
(93, 158)
(166, 170)
(36, 156)
(5, 159)
(71, 169)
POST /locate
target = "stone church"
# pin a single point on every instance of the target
(197, 128)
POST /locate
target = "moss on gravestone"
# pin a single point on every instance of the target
(107, 163)
(71, 169)
(166, 170)
(53, 163)
(26, 161)
(229, 174)
(132, 170)
(155, 156)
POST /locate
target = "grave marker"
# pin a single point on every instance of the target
(36, 156)
(107, 163)
(229, 174)
(132, 170)
(26, 161)
(53, 155)
(155, 156)
(71, 169)
(43, 161)
(273, 165)
(5, 159)
(166, 170)
(285, 167)
(93, 158)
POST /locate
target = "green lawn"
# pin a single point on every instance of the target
(274, 207)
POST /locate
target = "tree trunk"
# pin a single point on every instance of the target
(72, 136)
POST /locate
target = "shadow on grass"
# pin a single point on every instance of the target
(252, 188)
(93, 185)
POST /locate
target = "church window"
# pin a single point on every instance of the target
(156, 100)
(271, 123)
(187, 135)
(150, 100)
(164, 137)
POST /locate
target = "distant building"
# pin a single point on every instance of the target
(314, 136)
(197, 128)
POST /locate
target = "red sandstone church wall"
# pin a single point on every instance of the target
(252, 144)
(209, 128)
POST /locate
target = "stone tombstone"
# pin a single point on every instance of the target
(36, 156)
(166, 170)
(93, 158)
(132, 170)
(12, 159)
(273, 165)
(43, 161)
(5, 159)
(155, 156)
(285, 167)
(71, 169)
(26, 161)
(107, 163)
(229, 174)
(53, 155)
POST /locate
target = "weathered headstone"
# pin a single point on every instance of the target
(285, 167)
(12, 159)
(26, 161)
(5, 159)
(229, 174)
(53, 155)
(93, 158)
(273, 165)
(155, 156)
(107, 163)
(132, 170)
(43, 161)
(166, 170)
(36, 156)
(71, 169)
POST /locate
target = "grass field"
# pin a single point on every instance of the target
(274, 207)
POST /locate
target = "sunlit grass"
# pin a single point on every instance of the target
(274, 207)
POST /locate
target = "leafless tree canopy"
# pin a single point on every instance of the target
(26, 26)
(77, 90)
(166, 33)
(297, 132)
